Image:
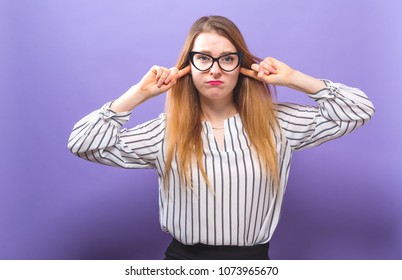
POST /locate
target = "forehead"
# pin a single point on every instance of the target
(213, 43)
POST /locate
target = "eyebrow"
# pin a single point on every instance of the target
(209, 53)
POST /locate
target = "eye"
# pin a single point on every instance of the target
(203, 58)
(228, 59)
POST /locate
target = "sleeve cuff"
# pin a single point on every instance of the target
(106, 113)
(330, 91)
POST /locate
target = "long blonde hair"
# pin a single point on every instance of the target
(252, 99)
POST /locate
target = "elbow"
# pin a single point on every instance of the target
(372, 113)
(72, 149)
(370, 110)
(76, 151)
(365, 105)
(73, 146)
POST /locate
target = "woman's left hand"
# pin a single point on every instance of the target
(275, 72)
(271, 71)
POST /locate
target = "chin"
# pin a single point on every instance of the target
(218, 96)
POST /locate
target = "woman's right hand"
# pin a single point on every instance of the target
(160, 79)
(156, 81)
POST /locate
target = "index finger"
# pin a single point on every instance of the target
(183, 72)
(250, 73)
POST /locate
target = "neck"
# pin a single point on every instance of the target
(216, 112)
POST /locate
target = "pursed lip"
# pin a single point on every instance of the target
(215, 82)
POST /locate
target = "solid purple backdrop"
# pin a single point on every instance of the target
(62, 59)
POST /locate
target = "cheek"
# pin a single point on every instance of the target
(233, 79)
(196, 78)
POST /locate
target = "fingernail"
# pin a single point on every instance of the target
(254, 67)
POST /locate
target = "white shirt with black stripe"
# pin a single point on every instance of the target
(241, 207)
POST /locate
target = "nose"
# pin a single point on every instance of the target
(215, 70)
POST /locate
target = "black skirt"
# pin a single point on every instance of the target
(179, 251)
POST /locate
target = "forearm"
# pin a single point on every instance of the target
(157, 81)
(305, 83)
(275, 72)
(341, 110)
(128, 101)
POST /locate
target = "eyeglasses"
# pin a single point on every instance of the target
(227, 62)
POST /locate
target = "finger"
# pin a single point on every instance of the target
(255, 67)
(164, 74)
(273, 61)
(183, 72)
(260, 70)
(250, 73)
(268, 67)
(156, 71)
(264, 68)
(171, 76)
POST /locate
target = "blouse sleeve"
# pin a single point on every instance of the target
(98, 137)
(341, 110)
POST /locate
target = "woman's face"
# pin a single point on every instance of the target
(214, 84)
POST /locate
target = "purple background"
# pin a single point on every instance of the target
(62, 59)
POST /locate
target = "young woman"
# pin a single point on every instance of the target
(222, 150)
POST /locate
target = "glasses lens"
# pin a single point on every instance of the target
(204, 62)
(229, 62)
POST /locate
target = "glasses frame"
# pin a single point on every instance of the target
(191, 57)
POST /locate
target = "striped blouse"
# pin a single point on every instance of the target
(241, 207)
